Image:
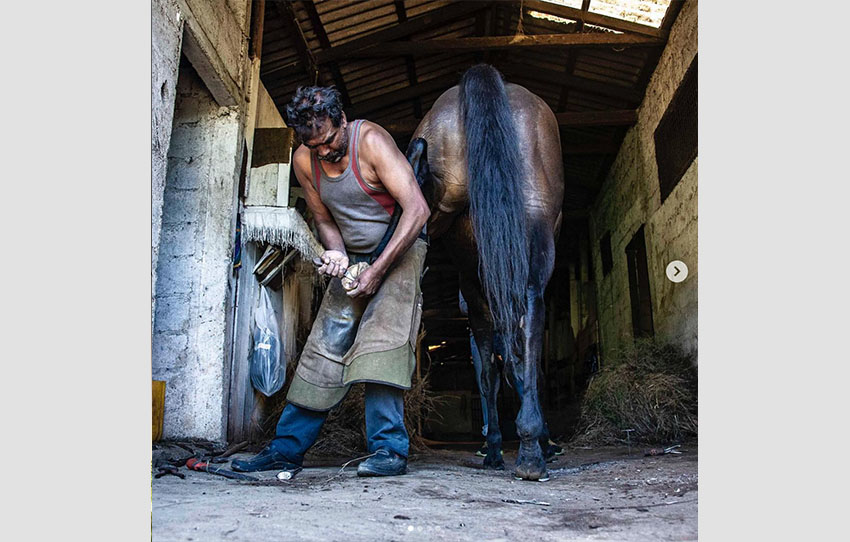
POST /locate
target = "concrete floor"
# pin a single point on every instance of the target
(598, 494)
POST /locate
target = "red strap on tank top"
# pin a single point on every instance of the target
(383, 198)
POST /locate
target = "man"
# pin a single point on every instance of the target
(353, 175)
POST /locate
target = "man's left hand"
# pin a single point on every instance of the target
(367, 282)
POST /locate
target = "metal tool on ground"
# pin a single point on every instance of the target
(663, 451)
(203, 466)
(169, 469)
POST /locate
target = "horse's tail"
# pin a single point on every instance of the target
(497, 202)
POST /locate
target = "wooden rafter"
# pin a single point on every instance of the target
(570, 64)
(416, 24)
(293, 28)
(425, 47)
(572, 81)
(319, 29)
(409, 63)
(255, 38)
(409, 93)
(586, 17)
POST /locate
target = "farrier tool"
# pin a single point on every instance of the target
(198, 465)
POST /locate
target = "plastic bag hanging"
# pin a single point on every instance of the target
(268, 370)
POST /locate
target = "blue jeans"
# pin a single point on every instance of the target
(298, 427)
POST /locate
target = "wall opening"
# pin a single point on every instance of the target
(606, 254)
(676, 134)
(639, 286)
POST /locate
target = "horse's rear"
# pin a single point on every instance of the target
(496, 189)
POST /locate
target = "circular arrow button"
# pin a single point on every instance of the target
(677, 271)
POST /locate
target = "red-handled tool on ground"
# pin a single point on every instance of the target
(196, 464)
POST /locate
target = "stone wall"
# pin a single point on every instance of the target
(630, 197)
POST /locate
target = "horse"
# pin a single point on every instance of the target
(488, 158)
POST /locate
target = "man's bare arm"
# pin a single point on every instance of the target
(335, 256)
(396, 175)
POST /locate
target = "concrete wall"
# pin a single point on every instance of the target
(166, 31)
(217, 47)
(198, 121)
(630, 197)
(195, 254)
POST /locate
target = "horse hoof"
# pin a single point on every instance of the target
(530, 464)
(532, 473)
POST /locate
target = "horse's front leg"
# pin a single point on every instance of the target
(529, 422)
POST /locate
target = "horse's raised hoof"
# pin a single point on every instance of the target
(494, 461)
(530, 464)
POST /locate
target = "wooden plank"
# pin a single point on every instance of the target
(572, 81)
(427, 47)
(255, 39)
(404, 94)
(416, 24)
(287, 15)
(409, 63)
(241, 392)
(569, 65)
(594, 18)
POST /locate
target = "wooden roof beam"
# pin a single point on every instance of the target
(319, 29)
(287, 15)
(425, 47)
(588, 17)
(573, 82)
(572, 56)
(401, 13)
(416, 24)
(409, 93)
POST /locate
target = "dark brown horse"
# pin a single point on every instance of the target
(488, 155)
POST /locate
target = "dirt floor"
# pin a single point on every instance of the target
(593, 494)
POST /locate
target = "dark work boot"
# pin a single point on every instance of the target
(268, 459)
(383, 463)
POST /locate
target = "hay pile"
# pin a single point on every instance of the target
(650, 388)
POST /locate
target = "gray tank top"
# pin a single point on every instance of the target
(361, 212)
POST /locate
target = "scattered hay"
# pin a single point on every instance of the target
(650, 388)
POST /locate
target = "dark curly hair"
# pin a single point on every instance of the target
(310, 106)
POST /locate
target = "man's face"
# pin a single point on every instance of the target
(331, 142)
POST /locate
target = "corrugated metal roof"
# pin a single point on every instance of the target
(327, 42)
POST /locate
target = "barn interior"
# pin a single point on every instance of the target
(390, 60)
(620, 77)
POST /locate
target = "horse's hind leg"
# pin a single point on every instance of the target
(529, 422)
(482, 330)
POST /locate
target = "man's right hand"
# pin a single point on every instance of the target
(335, 263)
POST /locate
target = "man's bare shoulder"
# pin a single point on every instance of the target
(373, 136)
(301, 156)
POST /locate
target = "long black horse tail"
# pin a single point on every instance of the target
(497, 202)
